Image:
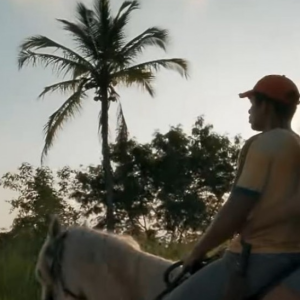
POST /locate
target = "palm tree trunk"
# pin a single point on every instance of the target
(107, 163)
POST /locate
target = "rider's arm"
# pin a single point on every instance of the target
(244, 196)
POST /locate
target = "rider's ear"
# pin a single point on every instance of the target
(54, 228)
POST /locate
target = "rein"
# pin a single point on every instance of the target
(183, 275)
(56, 266)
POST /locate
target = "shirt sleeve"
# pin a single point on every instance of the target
(254, 167)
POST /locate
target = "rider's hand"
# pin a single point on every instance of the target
(193, 260)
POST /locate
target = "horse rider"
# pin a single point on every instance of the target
(261, 209)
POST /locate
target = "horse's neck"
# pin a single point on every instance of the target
(132, 275)
(149, 275)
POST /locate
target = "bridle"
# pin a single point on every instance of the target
(56, 266)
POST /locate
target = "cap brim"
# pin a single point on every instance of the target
(247, 94)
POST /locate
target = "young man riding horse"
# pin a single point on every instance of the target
(267, 179)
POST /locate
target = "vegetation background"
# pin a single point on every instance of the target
(164, 193)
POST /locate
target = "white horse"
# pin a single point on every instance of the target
(87, 264)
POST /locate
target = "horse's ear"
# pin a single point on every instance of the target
(55, 227)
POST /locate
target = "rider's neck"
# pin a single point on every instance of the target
(275, 123)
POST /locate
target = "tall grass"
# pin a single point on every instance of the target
(17, 262)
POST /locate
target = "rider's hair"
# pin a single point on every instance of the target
(283, 111)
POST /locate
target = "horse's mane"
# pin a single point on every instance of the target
(129, 240)
(115, 240)
(106, 245)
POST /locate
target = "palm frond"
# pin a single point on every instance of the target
(84, 15)
(81, 35)
(124, 5)
(122, 129)
(39, 42)
(103, 13)
(176, 64)
(60, 65)
(138, 76)
(125, 10)
(153, 36)
(90, 24)
(113, 95)
(116, 36)
(64, 86)
(103, 25)
(69, 108)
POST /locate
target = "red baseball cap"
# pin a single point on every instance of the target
(276, 87)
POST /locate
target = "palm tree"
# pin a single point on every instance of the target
(101, 61)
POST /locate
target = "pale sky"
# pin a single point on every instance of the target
(229, 44)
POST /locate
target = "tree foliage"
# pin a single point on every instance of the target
(38, 196)
(170, 187)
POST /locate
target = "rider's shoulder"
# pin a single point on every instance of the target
(278, 139)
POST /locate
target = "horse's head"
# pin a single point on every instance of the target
(46, 268)
(81, 261)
